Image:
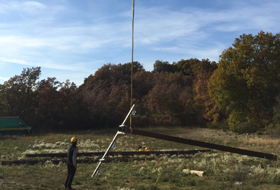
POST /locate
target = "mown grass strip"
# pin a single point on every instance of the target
(126, 153)
(42, 161)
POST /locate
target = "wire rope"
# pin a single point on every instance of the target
(131, 91)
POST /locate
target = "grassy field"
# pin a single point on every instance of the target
(223, 170)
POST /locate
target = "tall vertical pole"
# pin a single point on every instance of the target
(132, 60)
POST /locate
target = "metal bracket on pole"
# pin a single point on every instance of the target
(112, 145)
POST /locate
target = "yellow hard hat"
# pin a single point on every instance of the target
(73, 140)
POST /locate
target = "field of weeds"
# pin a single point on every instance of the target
(223, 170)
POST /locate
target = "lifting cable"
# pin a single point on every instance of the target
(131, 92)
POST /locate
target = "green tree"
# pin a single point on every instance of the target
(247, 80)
(18, 93)
(164, 66)
(4, 104)
(186, 66)
(193, 66)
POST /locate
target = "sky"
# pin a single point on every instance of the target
(71, 39)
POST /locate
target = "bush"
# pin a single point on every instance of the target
(153, 187)
(275, 180)
(142, 121)
(239, 124)
(191, 182)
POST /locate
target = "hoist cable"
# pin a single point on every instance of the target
(131, 92)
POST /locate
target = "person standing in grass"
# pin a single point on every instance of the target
(71, 162)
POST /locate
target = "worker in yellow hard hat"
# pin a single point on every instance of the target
(71, 162)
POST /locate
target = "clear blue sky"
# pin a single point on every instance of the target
(71, 39)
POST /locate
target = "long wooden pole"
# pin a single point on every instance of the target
(203, 144)
(131, 94)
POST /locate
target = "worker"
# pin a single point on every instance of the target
(71, 162)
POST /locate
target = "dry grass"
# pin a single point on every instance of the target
(223, 170)
(257, 141)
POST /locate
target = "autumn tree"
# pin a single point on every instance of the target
(60, 105)
(48, 97)
(73, 113)
(143, 82)
(204, 104)
(170, 100)
(48, 103)
(107, 92)
(247, 80)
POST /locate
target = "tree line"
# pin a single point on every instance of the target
(239, 93)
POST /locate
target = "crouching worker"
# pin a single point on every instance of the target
(71, 162)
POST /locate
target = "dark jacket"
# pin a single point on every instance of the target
(72, 155)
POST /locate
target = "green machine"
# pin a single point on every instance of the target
(12, 125)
